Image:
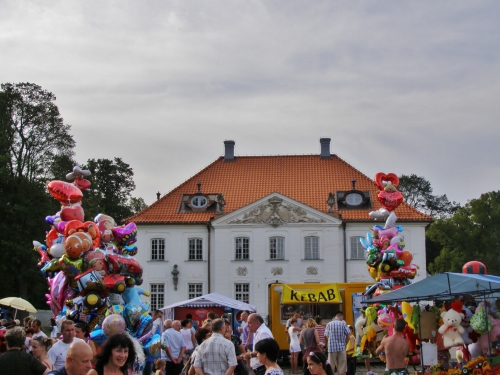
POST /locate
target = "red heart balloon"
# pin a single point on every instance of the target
(81, 183)
(64, 192)
(381, 177)
(69, 213)
(390, 200)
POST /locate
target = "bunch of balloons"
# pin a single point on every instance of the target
(388, 263)
(90, 268)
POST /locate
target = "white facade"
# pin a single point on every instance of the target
(234, 256)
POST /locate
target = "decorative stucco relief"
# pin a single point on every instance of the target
(277, 271)
(312, 270)
(276, 213)
(241, 271)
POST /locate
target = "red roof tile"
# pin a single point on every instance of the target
(304, 178)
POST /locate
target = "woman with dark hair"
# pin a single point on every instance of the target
(267, 354)
(201, 335)
(317, 363)
(188, 337)
(117, 356)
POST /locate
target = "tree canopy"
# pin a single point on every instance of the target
(111, 185)
(36, 146)
(33, 129)
(472, 233)
(417, 192)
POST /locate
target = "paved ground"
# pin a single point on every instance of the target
(378, 368)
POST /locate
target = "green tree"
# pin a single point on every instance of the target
(32, 134)
(417, 192)
(111, 185)
(35, 131)
(137, 205)
(472, 233)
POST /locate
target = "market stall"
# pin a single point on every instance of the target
(200, 306)
(479, 356)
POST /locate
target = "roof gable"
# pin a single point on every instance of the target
(305, 179)
(275, 210)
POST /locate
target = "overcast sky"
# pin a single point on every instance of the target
(399, 86)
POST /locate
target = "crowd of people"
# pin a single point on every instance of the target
(211, 348)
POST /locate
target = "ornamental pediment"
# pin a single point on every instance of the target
(275, 210)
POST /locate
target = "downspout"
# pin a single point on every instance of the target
(208, 257)
(345, 251)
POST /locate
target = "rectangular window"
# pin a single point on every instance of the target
(357, 250)
(195, 249)
(157, 296)
(242, 247)
(195, 290)
(311, 248)
(276, 248)
(157, 249)
(242, 292)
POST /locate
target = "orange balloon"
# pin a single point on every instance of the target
(406, 256)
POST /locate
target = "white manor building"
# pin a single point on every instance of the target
(245, 222)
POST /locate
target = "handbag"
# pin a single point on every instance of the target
(313, 346)
(241, 368)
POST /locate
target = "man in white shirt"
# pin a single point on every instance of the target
(36, 324)
(261, 332)
(174, 347)
(57, 353)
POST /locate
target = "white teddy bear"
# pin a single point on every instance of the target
(451, 329)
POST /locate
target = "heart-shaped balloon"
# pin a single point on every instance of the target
(390, 200)
(64, 192)
(81, 183)
(69, 213)
(381, 177)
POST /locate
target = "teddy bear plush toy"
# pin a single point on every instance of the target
(451, 329)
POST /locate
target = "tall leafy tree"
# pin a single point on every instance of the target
(472, 233)
(32, 133)
(137, 205)
(418, 193)
(35, 130)
(111, 185)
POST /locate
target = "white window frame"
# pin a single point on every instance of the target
(242, 292)
(277, 248)
(157, 297)
(199, 201)
(195, 290)
(242, 248)
(157, 253)
(195, 252)
(357, 250)
(311, 253)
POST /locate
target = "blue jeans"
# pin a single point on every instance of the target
(148, 369)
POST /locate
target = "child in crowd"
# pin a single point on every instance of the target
(160, 365)
(351, 353)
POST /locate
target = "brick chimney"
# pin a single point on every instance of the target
(325, 148)
(229, 151)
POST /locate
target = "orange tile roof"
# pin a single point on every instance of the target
(304, 178)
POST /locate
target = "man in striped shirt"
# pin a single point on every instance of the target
(337, 333)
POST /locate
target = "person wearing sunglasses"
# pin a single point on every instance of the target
(317, 364)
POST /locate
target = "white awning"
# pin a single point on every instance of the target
(208, 300)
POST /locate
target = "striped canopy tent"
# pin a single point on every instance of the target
(208, 300)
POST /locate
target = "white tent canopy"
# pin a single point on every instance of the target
(208, 300)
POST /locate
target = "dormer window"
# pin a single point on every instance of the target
(353, 200)
(199, 201)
